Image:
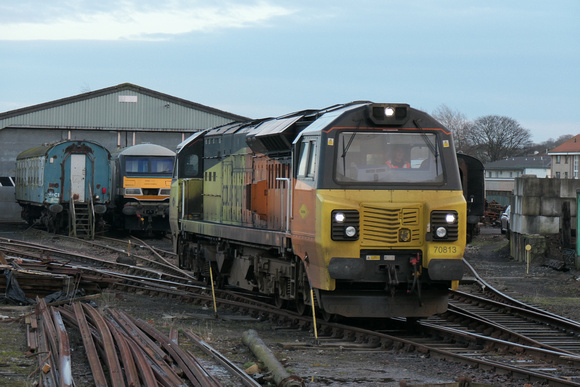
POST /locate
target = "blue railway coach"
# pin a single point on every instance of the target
(64, 185)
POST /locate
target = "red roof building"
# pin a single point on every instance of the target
(566, 159)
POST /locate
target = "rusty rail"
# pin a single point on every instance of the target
(91, 349)
(196, 374)
(110, 339)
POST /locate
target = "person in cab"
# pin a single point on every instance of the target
(398, 159)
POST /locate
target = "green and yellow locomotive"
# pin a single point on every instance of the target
(361, 202)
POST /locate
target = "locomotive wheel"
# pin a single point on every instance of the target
(301, 306)
(328, 317)
(279, 302)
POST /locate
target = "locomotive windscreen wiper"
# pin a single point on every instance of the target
(345, 149)
(432, 147)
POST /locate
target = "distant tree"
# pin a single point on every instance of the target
(560, 140)
(548, 145)
(496, 137)
(457, 123)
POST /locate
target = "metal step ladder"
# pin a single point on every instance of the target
(82, 220)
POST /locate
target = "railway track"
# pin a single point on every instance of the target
(480, 330)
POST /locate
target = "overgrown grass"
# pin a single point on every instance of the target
(15, 367)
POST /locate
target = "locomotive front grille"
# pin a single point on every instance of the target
(381, 226)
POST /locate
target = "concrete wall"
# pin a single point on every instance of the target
(537, 212)
(537, 204)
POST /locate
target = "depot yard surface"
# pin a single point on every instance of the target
(317, 366)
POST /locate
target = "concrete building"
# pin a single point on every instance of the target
(565, 159)
(115, 117)
(500, 175)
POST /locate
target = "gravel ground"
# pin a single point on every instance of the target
(317, 366)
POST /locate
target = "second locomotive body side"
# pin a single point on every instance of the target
(472, 175)
(64, 185)
(141, 186)
(317, 200)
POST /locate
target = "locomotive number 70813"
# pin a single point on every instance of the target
(444, 249)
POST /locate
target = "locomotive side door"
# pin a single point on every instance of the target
(77, 177)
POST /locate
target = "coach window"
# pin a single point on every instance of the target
(307, 159)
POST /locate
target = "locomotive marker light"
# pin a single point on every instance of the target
(441, 232)
(350, 231)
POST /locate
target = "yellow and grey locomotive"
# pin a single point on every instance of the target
(361, 202)
(141, 181)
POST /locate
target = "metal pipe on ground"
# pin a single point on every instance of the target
(282, 378)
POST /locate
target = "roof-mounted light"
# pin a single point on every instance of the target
(388, 114)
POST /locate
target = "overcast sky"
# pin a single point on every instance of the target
(516, 58)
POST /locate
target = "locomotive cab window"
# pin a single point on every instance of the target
(191, 166)
(307, 158)
(370, 157)
(149, 165)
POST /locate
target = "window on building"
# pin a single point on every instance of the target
(557, 175)
(565, 175)
(557, 159)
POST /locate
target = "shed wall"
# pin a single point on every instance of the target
(115, 117)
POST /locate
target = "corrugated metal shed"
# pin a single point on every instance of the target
(115, 117)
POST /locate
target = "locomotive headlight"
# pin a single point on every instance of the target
(350, 231)
(444, 225)
(133, 191)
(164, 191)
(344, 225)
(441, 232)
(389, 111)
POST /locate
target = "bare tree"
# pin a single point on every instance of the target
(496, 137)
(458, 124)
(549, 144)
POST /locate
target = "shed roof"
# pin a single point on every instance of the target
(125, 107)
(119, 88)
